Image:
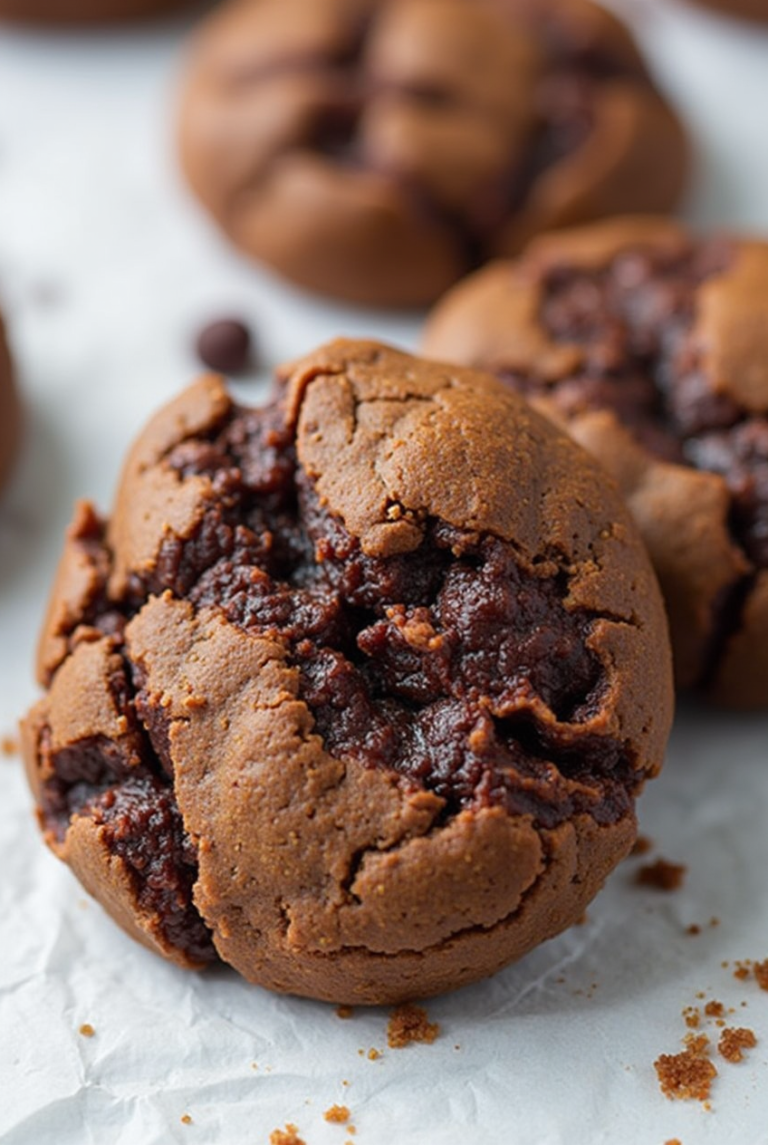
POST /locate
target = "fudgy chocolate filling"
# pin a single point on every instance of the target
(633, 318)
(453, 666)
(565, 100)
(121, 787)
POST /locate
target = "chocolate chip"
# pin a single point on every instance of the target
(225, 346)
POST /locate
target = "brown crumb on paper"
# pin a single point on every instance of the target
(760, 971)
(344, 1012)
(9, 746)
(287, 1136)
(692, 1017)
(87, 1030)
(186, 1119)
(687, 1076)
(673, 1141)
(733, 1041)
(743, 970)
(373, 1055)
(337, 1114)
(408, 1024)
(642, 846)
(714, 1009)
(662, 875)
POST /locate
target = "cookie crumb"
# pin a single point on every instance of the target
(734, 1040)
(692, 1017)
(9, 746)
(760, 971)
(373, 1055)
(287, 1136)
(186, 1119)
(662, 875)
(693, 929)
(87, 1030)
(642, 846)
(714, 1009)
(344, 1012)
(673, 1141)
(687, 1076)
(408, 1024)
(338, 1114)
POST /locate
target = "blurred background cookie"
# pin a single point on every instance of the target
(376, 150)
(752, 9)
(326, 702)
(64, 12)
(10, 411)
(652, 345)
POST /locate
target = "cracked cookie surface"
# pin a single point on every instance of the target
(650, 343)
(354, 691)
(377, 150)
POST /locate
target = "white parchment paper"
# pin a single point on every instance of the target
(106, 271)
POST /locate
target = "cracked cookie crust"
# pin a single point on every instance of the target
(355, 691)
(650, 344)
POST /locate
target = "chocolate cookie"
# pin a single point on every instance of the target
(377, 150)
(752, 9)
(84, 11)
(326, 701)
(653, 345)
(10, 411)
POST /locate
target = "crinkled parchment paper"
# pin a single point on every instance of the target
(106, 269)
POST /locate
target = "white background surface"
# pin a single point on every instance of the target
(106, 271)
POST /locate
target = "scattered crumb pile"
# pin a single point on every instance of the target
(408, 1024)
(662, 875)
(687, 1076)
(338, 1114)
(733, 1041)
(746, 968)
(287, 1136)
